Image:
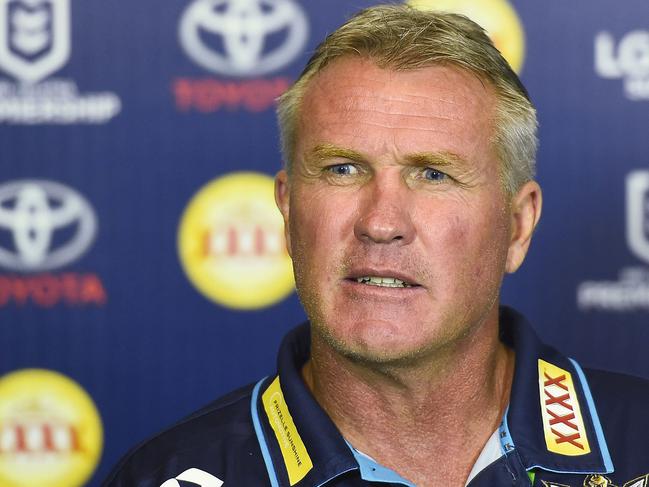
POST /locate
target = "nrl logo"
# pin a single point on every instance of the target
(34, 37)
(637, 213)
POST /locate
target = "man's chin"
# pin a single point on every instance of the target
(374, 344)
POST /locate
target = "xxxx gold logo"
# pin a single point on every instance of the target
(563, 423)
(50, 431)
(231, 242)
(497, 17)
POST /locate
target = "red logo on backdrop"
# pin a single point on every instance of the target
(245, 39)
(39, 436)
(211, 95)
(243, 241)
(45, 226)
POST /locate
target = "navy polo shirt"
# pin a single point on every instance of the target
(565, 426)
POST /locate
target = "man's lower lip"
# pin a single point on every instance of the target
(373, 287)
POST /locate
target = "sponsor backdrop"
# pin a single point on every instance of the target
(142, 262)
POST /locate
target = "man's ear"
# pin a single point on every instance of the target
(525, 214)
(282, 199)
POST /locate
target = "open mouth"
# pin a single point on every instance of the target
(383, 281)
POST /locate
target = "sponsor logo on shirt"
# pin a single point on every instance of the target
(639, 482)
(596, 480)
(296, 458)
(601, 481)
(563, 423)
(195, 476)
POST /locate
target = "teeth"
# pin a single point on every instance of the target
(382, 281)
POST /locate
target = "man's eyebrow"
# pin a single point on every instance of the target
(323, 152)
(443, 158)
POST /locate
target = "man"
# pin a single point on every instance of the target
(408, 193)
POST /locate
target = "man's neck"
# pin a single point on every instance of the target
(427, 421)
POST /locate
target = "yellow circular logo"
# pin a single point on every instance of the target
(50, 431)
(497, 17)
(231, 242)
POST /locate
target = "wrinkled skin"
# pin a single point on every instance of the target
(395, 175)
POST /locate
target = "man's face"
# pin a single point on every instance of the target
(396, 219)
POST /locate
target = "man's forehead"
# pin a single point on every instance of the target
(446, 107)
(353, 75)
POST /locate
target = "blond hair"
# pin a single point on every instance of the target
(400, 37)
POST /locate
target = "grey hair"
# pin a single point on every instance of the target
(400, 37)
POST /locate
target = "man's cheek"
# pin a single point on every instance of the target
(305, 250)
(316, 228)
(448, 234)
(461, 243)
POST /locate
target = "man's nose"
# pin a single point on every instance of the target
(385, 215)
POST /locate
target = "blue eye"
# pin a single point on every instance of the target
(434, 175)
(343, 169)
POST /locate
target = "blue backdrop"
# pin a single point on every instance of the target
(122, 128)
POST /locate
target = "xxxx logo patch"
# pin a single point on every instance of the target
(563, 424)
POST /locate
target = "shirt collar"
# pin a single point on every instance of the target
(326, 449)
(552, 421)
(302, 446)
(372, 471)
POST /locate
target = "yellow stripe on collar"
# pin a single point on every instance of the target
(563, 423)
(296, 458)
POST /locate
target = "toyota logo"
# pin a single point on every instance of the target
(44, 225)
(245, 30)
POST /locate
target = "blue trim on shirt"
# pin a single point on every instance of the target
(272, 475)
(506, 440)
(603, 447)
(375, 472)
